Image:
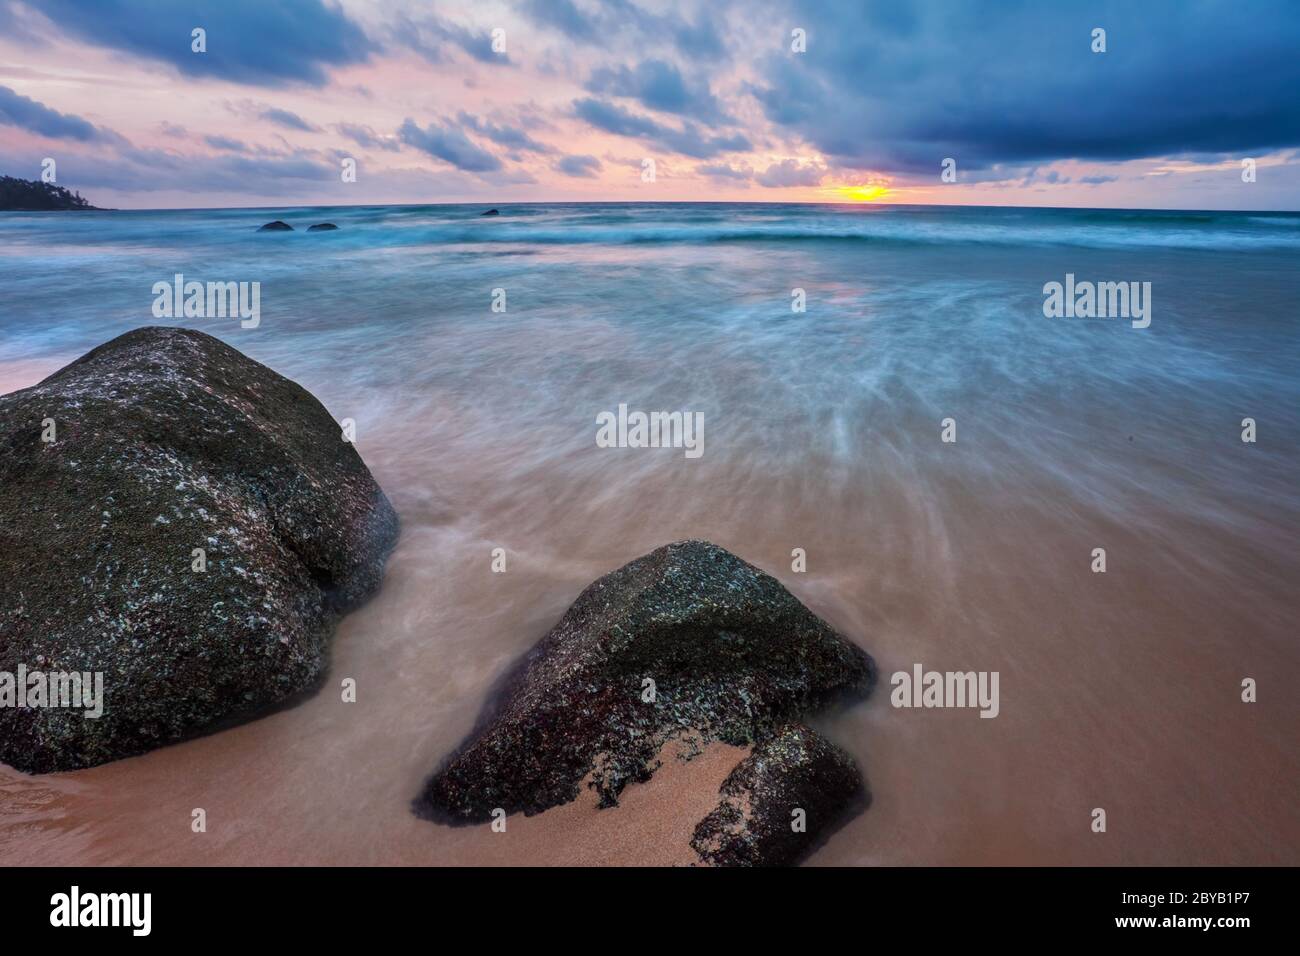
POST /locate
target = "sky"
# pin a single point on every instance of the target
(504, 101)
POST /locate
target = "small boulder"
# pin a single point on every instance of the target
(276, 226)
(322, 227)
(193, 532)
(688, 640)
(781, 802)
(491, 212)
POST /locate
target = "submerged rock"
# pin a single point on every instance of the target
(322, 227)
(193, 531)
(688, 640)
(491, 212)
(781, 801)
(276, 226)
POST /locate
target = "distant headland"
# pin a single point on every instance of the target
(23, 195)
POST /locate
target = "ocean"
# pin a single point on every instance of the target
(475, 354)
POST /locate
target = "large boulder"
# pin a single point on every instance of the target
(167, 441)
(732, 655)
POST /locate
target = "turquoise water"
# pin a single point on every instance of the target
(822, 430)
(913, 314)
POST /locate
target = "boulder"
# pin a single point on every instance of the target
(781, 801)
(276, 226)
(728, 652)
(322, 227)
(192, 532)
(491, 212)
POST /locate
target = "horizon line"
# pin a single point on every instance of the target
(667, 202)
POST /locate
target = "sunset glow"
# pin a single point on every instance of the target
(569, 100)
(870, 193)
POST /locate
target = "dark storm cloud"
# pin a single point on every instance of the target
(901, 86)
(248, 41)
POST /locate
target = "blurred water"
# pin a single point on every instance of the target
(821, 432)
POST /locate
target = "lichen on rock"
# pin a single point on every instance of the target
(166, 441)
(731, 654)
(781, 801)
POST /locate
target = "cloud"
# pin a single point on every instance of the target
(585, 167)
(26, 113)
(614, 18)
(294, 172)
(507, 136)
(226, 143)
(790, 172)
(899, 87)
(885, 92)
(725, 171)
(689, 140)
(287, 119)
(365, 136)
(614, 119)
(449, 144)
(226, 171)
(252, 42)
(562, 15)
(431, 35)
(659, 85)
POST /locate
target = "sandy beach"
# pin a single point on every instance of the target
(1118, 690)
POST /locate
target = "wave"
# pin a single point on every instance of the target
(873, 233)
(633, 224)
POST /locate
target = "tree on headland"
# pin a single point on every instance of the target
(31, 195)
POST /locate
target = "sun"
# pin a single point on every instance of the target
(872, 192)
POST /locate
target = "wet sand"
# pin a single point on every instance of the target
(1118, 691)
